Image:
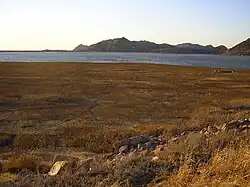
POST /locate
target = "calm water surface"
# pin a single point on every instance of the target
(216, 61)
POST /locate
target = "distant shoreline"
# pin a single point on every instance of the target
(72, 51)
(31, 51)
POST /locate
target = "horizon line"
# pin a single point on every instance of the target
(69, 50)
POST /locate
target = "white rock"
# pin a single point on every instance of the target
(206, 133)
(155, 158)
(244, 127)
(241, 121)
(224, 127)
(175, 139)
(57, 167)
(123, 149)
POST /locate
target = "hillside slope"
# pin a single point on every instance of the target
(125, 45)
(242, 49)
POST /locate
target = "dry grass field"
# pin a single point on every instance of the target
(81, 109)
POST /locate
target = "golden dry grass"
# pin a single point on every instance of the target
(6, 177)
(43, 95)
(230, 167)
(46, 107)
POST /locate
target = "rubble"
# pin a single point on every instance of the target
(142, 146)
(241, 125)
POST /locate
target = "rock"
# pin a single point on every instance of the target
(135, 140)
(162, 142)
(121, 143)
(175, 139)
(151, 138)
(140, 146)
(233, 121)
(155, 142)
(218, 132)
(155, 158)
(144, 138)
(148, 145)
(183, 134)
(232, 125)
(123, 149)
(57, 167)
(206, 133)
(241, 121)
(224, 127)
(244, 127)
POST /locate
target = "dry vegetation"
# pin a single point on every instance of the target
(78, 110)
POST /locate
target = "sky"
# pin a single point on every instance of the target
(64, 24)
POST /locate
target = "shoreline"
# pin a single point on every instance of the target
(122, 64)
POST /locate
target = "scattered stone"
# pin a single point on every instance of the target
(140, 146)
(224, 127)
(145, 146)
(133, 141)
(57, 167)
(155, 158)
(244, 127)
(175, 139)
(148, 145)
(241, 121)
(183, 134)
(123, 149)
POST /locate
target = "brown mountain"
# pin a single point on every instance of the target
(242, 49)
(125, 45)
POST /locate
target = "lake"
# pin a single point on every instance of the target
(215, 61)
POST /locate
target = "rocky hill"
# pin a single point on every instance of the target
(242, 49)
(125, 45)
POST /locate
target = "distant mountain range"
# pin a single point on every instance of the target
(125, 45)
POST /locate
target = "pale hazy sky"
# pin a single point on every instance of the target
(63, 24)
